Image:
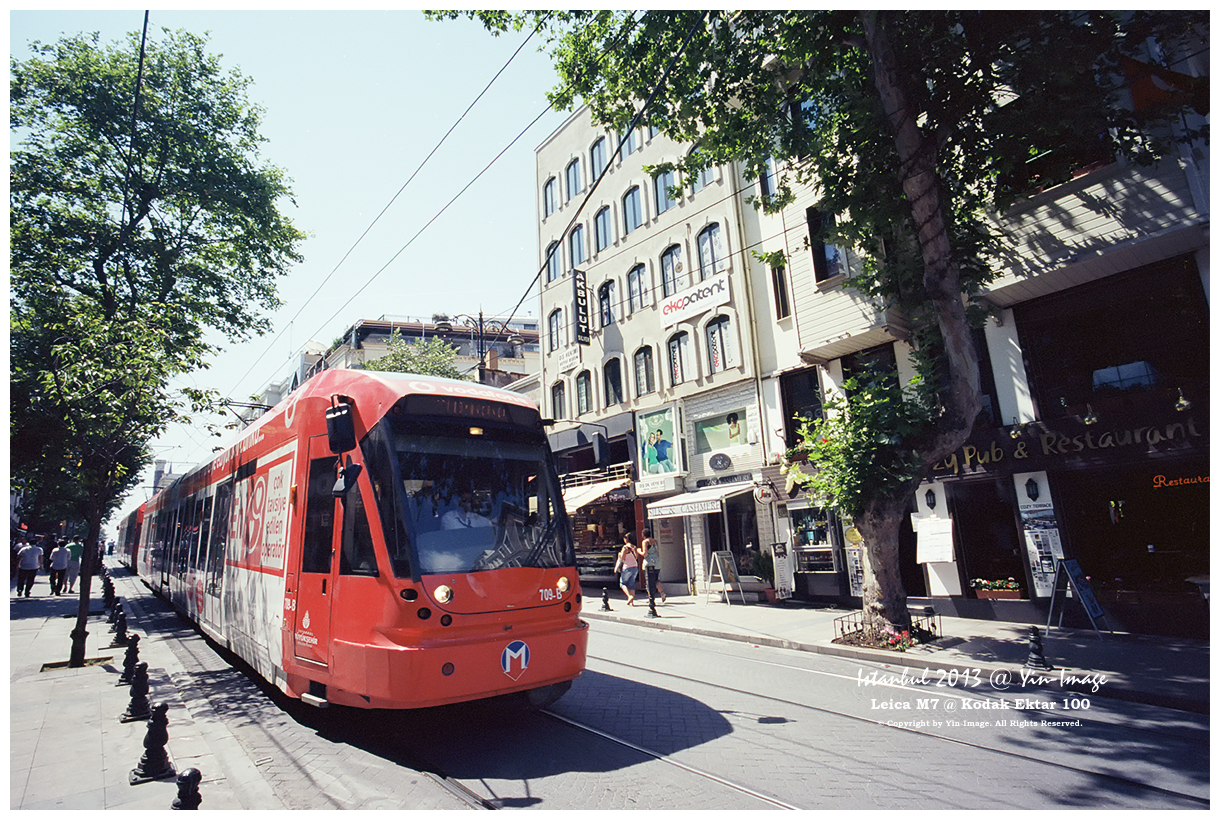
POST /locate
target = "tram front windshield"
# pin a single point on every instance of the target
(475, 502)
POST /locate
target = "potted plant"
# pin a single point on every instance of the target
(763, 566)
(1007, 588)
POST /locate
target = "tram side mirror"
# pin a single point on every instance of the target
(347, 479)
(340, 428)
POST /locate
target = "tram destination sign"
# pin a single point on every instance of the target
(459, 407)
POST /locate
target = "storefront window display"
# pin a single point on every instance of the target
(817, 553)
(598, 530)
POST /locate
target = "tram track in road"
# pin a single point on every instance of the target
(671, 761)
(932, 736)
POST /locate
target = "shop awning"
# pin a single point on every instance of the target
(707, 500)
(576, 497)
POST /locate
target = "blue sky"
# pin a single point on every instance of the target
(353, 103)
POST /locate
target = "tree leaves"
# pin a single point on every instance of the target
(429, 357)
(127, 246)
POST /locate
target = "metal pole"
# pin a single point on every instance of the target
(482, 363)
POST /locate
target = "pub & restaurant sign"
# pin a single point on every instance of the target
(1071, 443)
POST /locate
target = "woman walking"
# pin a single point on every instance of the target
(629, 564)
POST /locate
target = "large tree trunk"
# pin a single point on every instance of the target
(959, 396)
(88, 566)
(885, 598)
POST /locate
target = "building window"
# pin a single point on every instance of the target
(720, 352)
(767, 180)
(584, 392)
(554, 325)
(576, 245)
(597, 158)
(661, 184)
(559, 403)
(679, 357)
(550, 197)
(711, 252)
(601, 229)
(779, 284)
(828, 260)
(554, 261)
(701, 180)
(644, 381)
(630, 145)
(573, 177)
(672, 279)
(637, 289)
(605, 303)
(653, 131)
(633, 214)
(612, 379)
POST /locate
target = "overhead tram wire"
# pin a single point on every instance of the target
(635, 121)
(468, 185)
(634, 22)
(393, 199)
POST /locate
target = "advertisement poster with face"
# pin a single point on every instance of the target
(721, 431)
(659, 451)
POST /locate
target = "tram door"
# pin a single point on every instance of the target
(315, 588)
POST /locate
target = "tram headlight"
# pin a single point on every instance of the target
(562, 584)
(443, 594)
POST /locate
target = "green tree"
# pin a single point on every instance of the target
(913, 126)
(428, 357)
(140, 217)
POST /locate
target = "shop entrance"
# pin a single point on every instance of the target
(1135, 529)
(984, 522)
(739, 525)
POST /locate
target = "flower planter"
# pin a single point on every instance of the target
(999, 594)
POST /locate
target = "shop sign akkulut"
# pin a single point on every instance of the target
(702, 297)
(580, 307)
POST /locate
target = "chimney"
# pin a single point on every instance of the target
(158, 471)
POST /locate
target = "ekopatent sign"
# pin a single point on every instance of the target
(704, 296)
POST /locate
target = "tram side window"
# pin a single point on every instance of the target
(187, 534)
(199, 551)
(319, 516)
(216, 544)
(357, 556)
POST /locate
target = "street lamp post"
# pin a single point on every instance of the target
(445, 325)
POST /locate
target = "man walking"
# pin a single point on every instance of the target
(76, 548)
(59, 568)
(29, 561)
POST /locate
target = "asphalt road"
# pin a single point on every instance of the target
(665, 720)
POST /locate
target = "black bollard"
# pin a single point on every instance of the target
(1036, 659)
(652, 606)
(188, 790)
(130, 659)
(154, 765)
(121, 637)
(605, 600)
(137, 709)
(115, 611)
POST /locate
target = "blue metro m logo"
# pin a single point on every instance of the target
(515, 659)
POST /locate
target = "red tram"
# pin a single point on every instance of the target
(378, 540)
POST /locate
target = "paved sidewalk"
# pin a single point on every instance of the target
(67, 747)
(1170, 672)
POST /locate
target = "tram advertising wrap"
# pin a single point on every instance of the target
(381, 541)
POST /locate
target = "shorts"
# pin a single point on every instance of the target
(628, 577)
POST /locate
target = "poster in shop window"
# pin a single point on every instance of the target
(659, 453)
